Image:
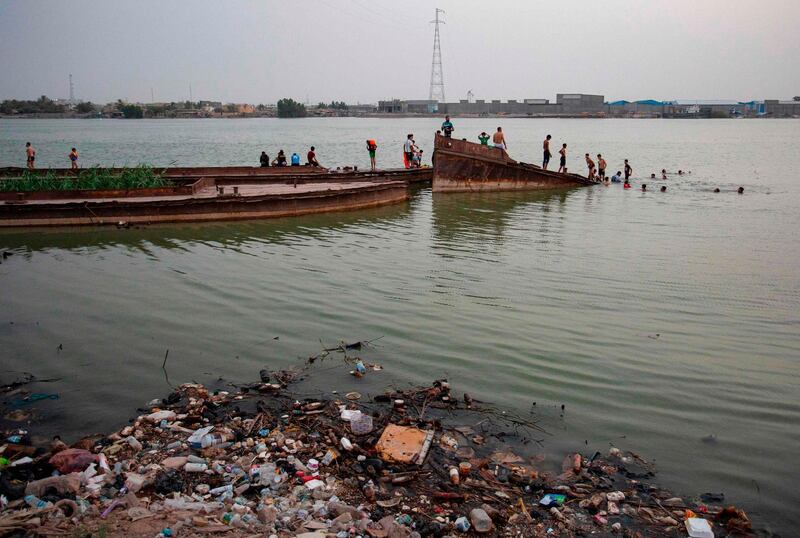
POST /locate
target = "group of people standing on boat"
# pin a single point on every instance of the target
(280, 159)
(412, 152)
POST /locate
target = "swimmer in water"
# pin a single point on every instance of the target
(652, 176)
(663, 174)
(663, 188)
(741, 190)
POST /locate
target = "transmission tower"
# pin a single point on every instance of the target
(437, 78)
(71, 90)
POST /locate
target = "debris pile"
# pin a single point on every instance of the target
(256, 460)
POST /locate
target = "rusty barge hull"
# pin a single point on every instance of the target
(461, 166)
(181, 175)
(206, 204)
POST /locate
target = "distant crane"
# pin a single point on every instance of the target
(71, 91)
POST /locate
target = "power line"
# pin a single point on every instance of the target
(437, 75)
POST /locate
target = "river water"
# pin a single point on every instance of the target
(666, 323)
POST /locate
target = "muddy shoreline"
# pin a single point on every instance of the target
(264, 457)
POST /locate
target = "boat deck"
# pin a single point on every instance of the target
(246, 189)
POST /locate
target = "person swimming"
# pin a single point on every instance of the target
(617, 178)
(663, 188)
(644, 186)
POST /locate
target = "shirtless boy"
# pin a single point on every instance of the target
(547, 154)
(590, 165)
(499, 139)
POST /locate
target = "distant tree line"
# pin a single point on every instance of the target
(289, 108)
(42, 105)
(336, 105)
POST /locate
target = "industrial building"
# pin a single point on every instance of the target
(567, 104)
(588, 105)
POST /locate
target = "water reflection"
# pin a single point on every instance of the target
(476, 217)
(228, 235)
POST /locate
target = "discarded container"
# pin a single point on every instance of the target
(480, 520)
(134, 443)
(330, 455)
(158, 416)
(195, 467)
(362, 424)
(196, 439)
(360, 368)
(462, 524)
(35, 502)
(454, 476)
(350, 414)
(698, 528)
(464, 468)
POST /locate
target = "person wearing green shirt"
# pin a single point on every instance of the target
(484, 138)
(447, 127)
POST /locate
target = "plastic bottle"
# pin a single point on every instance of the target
(360, 368)
(195, 467)
(220, 490)
(480, 520)
(134, 443)
(35, 502)
(454, 476)
(212, 439)
(330, 455)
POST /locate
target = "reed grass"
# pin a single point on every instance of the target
(95, 178)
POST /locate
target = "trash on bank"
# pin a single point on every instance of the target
(260, 460)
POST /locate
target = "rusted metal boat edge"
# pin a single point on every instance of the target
(462, 166)
(221, 208)
(271, 173)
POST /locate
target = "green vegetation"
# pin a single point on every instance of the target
(132, 111)
(96, 178)
(289, 108)
(336, 105)
(84, 107)
(42, 105)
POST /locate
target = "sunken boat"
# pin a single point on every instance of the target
(462, 166)
(204, 194)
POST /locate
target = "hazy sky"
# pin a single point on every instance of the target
(365, 50)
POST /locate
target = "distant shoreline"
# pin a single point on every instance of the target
(393, 116)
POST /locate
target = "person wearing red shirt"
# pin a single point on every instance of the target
(312, 157)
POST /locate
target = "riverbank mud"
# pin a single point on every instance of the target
(260, 459)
